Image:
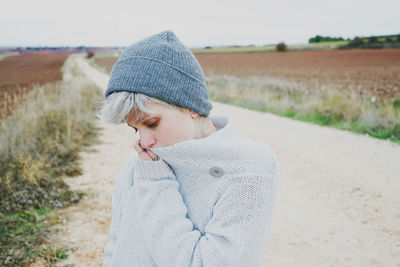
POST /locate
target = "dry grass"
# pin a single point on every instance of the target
(20, 73)
(39, 143)
(106, 63)
(330, 106)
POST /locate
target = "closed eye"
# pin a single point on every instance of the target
(153, 125)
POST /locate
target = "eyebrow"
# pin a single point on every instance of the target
(142, 117)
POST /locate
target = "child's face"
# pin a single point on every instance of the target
(167, 127)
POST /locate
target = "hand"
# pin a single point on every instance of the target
(144, 153)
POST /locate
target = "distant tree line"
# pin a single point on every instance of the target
(319, 38)
(38, 48)
(385, 41)
(382, 41)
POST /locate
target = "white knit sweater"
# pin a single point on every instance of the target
(206, 202)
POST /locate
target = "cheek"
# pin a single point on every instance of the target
(175, 133)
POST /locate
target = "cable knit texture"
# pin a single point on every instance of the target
(205, 202)
(162, 67)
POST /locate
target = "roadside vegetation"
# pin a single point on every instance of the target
(40, 140)
(329, 107)
(373, 42)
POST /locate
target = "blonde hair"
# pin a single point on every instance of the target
(116, 107)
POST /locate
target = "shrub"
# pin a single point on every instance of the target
(396, 103)
(373, 40)
(281, 47)
(40, 141)
(89, 54)
(357, 41)
(388, 39)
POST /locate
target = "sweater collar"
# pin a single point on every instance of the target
(196, 152)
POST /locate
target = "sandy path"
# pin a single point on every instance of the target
(338, 201)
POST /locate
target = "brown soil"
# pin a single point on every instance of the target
(371, 72)
(20, 73)
(375, 71)
(106, 62)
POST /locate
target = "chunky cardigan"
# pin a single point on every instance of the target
(205, 202)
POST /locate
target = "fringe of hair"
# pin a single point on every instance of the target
(117, 106)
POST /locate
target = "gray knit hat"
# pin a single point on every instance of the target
(162, 67)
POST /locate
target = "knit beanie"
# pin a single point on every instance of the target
(162, 67)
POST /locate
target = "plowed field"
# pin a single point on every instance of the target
(24, 71)
(375, 72)
(369, 72)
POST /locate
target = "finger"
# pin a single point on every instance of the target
(150, 153)
(145, 156)
(153, 156)
(144, 151)
(137, 147)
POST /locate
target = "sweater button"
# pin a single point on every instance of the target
(216, 171)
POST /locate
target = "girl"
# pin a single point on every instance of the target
(197, 192)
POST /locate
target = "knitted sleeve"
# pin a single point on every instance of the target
(110, 246)
(115, 204)
(240, 217)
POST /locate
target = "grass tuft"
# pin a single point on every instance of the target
(39, 144)
(328, 107)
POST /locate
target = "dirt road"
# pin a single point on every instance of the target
(338, 201)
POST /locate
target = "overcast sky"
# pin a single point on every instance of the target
(196, 23)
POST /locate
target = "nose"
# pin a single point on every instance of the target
(147, 141)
